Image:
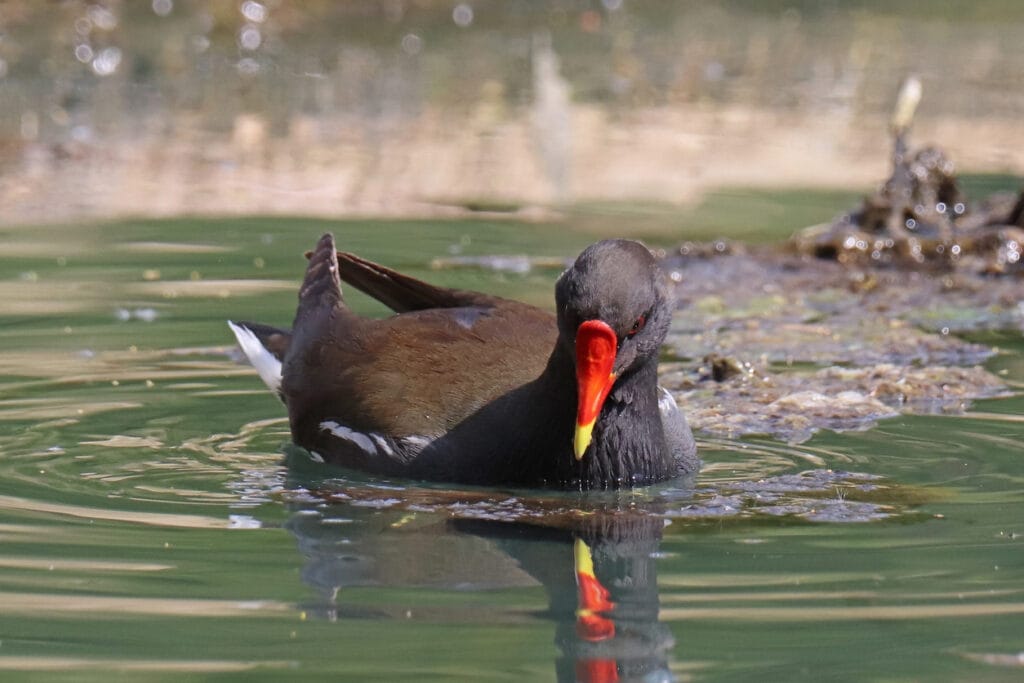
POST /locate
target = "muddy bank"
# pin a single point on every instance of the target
(767, 342)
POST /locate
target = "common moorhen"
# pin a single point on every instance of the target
(468, 387)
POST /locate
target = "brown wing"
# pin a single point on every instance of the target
(415, 373)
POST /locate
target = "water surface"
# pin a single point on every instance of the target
(155, 524)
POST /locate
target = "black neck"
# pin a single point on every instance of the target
(628, 447)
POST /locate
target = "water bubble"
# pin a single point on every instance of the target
(849, 242)
(941, 207)
(911, 224)
(163, 7)
(84, 53)
(83, 26)
(254, 11)
(201, 43)
(249, 37)
(612, 5)
(411, 44)
(107, 61)
(462, 15)
(955, 250)
(102, 17)
(959, 208)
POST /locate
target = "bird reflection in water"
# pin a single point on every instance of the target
(597, 569)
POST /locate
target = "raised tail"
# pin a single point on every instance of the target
(321, 288)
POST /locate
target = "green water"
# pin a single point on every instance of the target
(151, 531)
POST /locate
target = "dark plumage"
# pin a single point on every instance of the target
(467, 387)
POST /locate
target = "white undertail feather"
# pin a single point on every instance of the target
(267, 366)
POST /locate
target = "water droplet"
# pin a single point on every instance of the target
(163, 7)
(462, 15)
(84, 53)
(911, 224)
(959, 208)
(107, 61)
(254, 11)
(411, 44)
(941, 207)
(249, 37)
(102, 17)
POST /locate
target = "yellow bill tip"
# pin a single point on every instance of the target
(583, 559)
(582, 439)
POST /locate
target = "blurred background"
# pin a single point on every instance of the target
(441, 107)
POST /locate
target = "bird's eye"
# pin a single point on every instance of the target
(637, 326)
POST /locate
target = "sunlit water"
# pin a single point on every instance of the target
(155, 523)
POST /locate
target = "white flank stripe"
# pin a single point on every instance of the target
(382, 444)
(350, 435)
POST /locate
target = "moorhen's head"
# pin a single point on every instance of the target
(614, 309)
